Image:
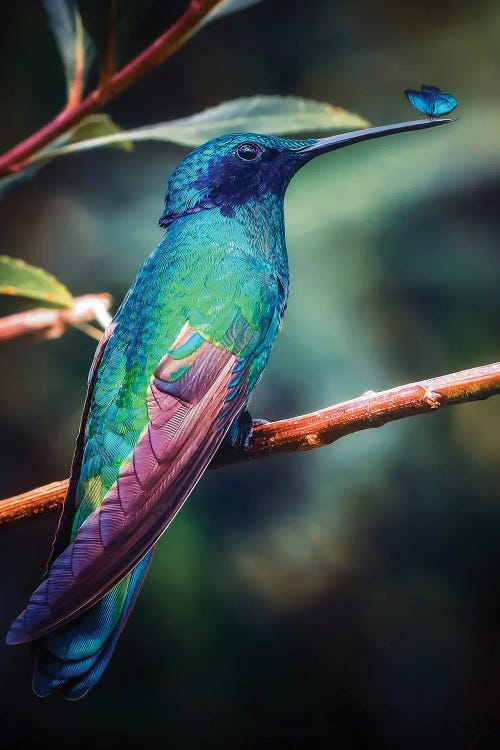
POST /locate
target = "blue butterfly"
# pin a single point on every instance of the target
(431, 101)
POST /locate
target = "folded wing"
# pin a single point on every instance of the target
(195, 393)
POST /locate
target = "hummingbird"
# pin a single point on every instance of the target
(170, 382)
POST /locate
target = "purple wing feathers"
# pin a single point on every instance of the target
(188, 417)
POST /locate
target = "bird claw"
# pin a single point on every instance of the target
(239, 435)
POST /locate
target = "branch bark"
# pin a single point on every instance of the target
(162, 48)
(313, 430)
(110, 56)
(45, 323)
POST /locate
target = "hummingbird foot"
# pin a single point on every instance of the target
(239, 435)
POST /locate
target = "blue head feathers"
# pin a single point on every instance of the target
(231, 170)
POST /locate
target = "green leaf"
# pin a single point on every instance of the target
(75, 46)
(98, 126)
(229, 6)
(93, 128)
(274, 115)
(20, 279)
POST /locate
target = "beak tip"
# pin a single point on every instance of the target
(445, 120)
(322, 145)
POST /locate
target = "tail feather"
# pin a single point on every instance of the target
(73, 658)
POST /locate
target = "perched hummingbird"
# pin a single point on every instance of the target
(170, 381)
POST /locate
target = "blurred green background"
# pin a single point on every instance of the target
(348, 595)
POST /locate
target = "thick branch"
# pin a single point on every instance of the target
(45, 323)
(312, 430)
(162, 48)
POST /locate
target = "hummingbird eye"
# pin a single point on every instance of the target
(248, 151)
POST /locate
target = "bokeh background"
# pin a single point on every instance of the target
(348, 595)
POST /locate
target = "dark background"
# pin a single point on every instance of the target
(348, 596)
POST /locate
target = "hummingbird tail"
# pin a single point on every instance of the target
(73, 658)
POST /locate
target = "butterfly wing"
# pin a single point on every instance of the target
(444, 104)
(423, 101)
(434, 90)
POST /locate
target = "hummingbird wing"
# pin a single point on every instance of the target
(74, 657)
(65, 525)
(195, 393)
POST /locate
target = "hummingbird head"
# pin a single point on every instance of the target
(233, 170)
(230, 171)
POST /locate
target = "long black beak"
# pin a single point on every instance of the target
(322, 145)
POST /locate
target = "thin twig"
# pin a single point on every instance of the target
(51, 323)
(110, 57)
(311, 430)
(75, 91)
(162, 48)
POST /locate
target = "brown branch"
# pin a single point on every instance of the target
(110, 57)
(311, 430)
(45, 323)
(162, 48)
(34, 503)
